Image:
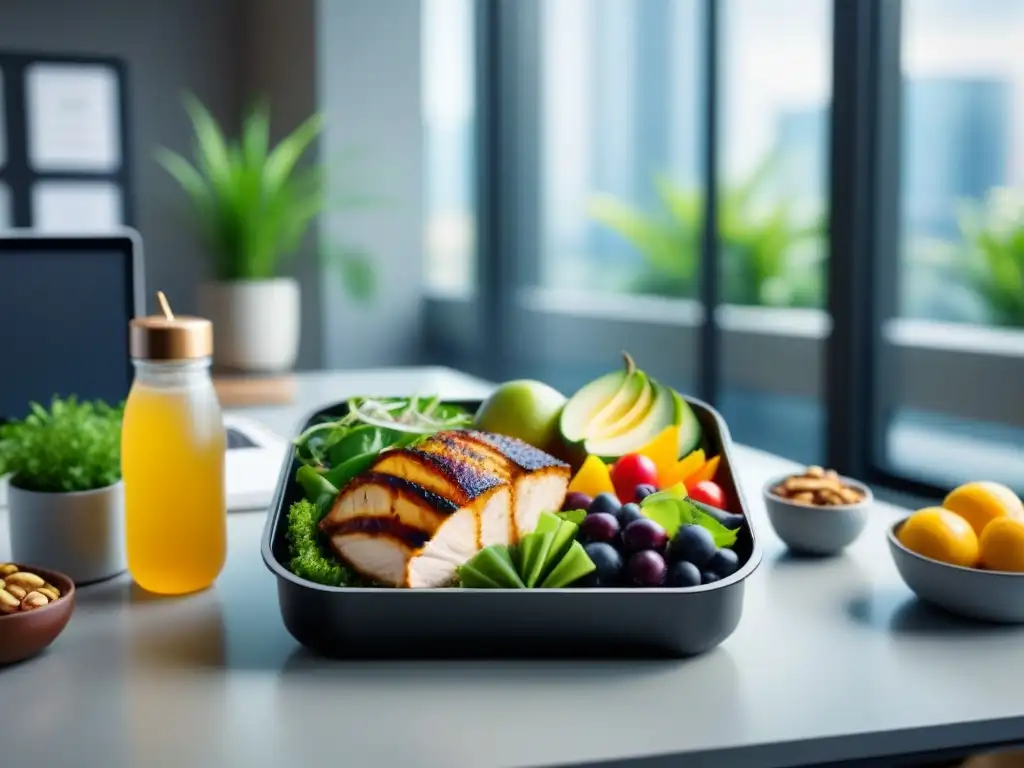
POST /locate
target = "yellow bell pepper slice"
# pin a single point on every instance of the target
(593, 478)
(682, 469)
(663, 450)
(706, 472)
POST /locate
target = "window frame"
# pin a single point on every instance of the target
(526, 327)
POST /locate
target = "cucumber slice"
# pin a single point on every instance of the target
(575, 565)
(690, 432)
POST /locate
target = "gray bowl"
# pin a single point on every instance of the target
(813, 530)
(996, 596)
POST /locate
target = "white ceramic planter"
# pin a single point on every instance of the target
(79, 534)
(255, 323)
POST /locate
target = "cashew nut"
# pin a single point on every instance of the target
(50, 591)
(8, 602)
(7, 569)
(25, 580)
(17, 591)
(34, 600)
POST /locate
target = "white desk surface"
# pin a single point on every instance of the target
(833, 660)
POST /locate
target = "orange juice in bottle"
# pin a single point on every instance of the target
(173, 445)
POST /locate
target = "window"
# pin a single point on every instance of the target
(448, 115)
(772, 205)
(597, 141)
(619, 146)
(952, 406)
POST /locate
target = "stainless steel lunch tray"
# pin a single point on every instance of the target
(566, 623)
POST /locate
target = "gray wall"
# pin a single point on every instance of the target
(168, 46)
(279, 61)
(370, 90)
(224, 51)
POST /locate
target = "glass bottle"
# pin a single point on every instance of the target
(173, 446)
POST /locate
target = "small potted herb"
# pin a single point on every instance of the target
(66, 499)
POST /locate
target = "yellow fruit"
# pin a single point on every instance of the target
(706, 472)
(981, 503)
(941, 535)
(682, 469)
(663, 451)
(593, 478)
(1002, 545)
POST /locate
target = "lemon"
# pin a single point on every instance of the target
(981, 503)
(1002, 545)
(941, 535)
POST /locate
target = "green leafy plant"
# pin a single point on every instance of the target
(72, 446)
(255, 202)
(994, 233)
(767, 256)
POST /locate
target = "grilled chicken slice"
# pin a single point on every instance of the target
(397, 532)
(419, 513)
(539, 480)
(455, 476)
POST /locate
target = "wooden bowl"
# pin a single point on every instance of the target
(26, 633)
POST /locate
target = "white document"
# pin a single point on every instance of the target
(5, 207)
(73, 117)
(85, 207)
(251, 471)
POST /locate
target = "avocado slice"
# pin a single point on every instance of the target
(632, 417)
(662, 413)
(636, 389)
(598, 401)
(690, 432)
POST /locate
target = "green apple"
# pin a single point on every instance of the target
(525, 409)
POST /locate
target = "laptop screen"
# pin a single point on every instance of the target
(64, 311)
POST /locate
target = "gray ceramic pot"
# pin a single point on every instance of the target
(80, 534)
(817, 530)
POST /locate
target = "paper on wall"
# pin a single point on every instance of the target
(76, 206)
(73, 117)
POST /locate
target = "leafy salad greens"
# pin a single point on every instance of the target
(330, 454)
(671, 509)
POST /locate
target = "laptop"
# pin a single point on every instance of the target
(65, 304)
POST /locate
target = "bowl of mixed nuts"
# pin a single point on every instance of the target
(817, 512)
(35, 606)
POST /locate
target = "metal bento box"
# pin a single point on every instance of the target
(565, 623)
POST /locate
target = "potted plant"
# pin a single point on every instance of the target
(254, 204)
(768, 258)
(994, 267)
(65, 499)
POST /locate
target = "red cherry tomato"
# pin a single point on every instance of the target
(708, 492)
(632, 470)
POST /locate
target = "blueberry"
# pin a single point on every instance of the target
(575, 500)
(709, 577)
(604, 502)
(683, 574)
(599, 526)
(693, 543)
(607, 560)
(644, 534)
(646, 569)
(642, 491)
(628, 513)
(724, 562)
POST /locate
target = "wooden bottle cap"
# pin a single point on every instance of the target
(168, 337)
